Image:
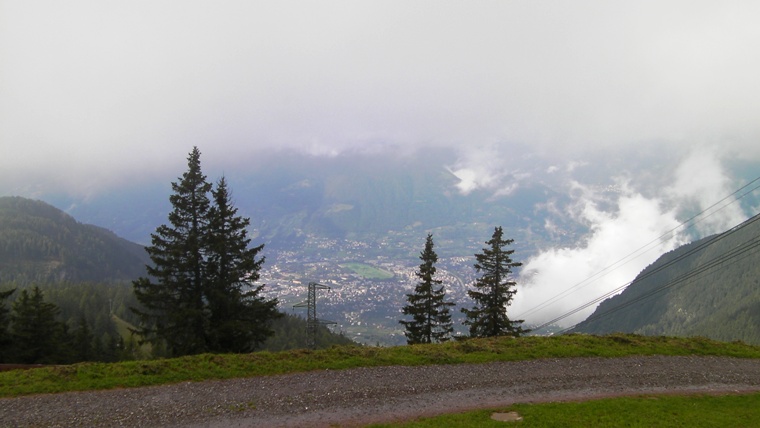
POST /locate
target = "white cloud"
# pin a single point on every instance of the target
(700, 182)
(635, 227)
(628, 230)
(480, 168)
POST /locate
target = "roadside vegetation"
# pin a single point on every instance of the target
(89, 376)
(644, 411)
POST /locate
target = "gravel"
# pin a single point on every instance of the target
(382, 394)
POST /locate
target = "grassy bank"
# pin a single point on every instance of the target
(645, 411)
(87, 376)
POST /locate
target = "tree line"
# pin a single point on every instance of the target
(34, 330)
(79, 322)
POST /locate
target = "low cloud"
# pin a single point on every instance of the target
(699, 183)
(479, 168)
(636, 222)
(627, 231)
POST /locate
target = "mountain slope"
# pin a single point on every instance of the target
(40, 243)
(707, 288)
(357, 197)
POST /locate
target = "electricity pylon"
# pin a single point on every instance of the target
(312, 322)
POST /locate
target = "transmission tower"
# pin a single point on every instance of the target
(312, 322)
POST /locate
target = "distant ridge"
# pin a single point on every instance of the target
(710, 289)
(40, 243)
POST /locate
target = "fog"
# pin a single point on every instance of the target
(95, 95)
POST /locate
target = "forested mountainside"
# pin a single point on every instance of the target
(83, 275)
(709, 288)
(40, 243)
(97, 320)
(290, 198)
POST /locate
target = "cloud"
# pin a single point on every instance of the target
(480, 168)
(628, 230)
(94, 94)
(700, 183)
(636, 222)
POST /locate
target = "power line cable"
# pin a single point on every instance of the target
(642, 250)
(701, 246)
(731, 258)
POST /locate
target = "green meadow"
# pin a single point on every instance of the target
(89, 376)
(367, 271)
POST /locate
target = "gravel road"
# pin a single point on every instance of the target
(360, 396)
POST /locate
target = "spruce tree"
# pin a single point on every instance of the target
(199, 294)
(5, 337)
(431, 319)
(38, 337)
(172, 297)
(239, 316)
(83, 339)
(494, 291)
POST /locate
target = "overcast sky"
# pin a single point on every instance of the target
(93, 93)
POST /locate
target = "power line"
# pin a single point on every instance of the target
(731, 258)
(735, 252)
(641, 250)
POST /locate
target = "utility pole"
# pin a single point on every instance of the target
(312, 322)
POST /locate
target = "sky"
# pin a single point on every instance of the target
(95, 96)
(95, 93)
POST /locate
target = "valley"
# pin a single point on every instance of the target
(368, 283)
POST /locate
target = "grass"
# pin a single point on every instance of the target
(87, 376)
(643, 411)
(367, 271)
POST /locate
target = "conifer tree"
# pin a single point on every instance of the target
(494, 291)
(38, 337)
(239, 315)
(199, 294)
(174, 310)
(431, 319)
(5, 338)
(83, 348)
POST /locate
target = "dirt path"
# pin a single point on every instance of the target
(361, 396)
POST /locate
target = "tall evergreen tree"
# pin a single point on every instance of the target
(431, 318)
(198, 296)
(83, 342)
(38, 337)
(5, 337)
(239, 316)
(494, 291)
(174, 309)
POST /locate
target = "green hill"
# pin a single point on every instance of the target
(40, 243)
(707, 288)
(85, 271)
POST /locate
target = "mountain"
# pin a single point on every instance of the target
(359, 197)
(40, 243)
(709, 288)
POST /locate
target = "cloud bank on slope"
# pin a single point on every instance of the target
(628, 230)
